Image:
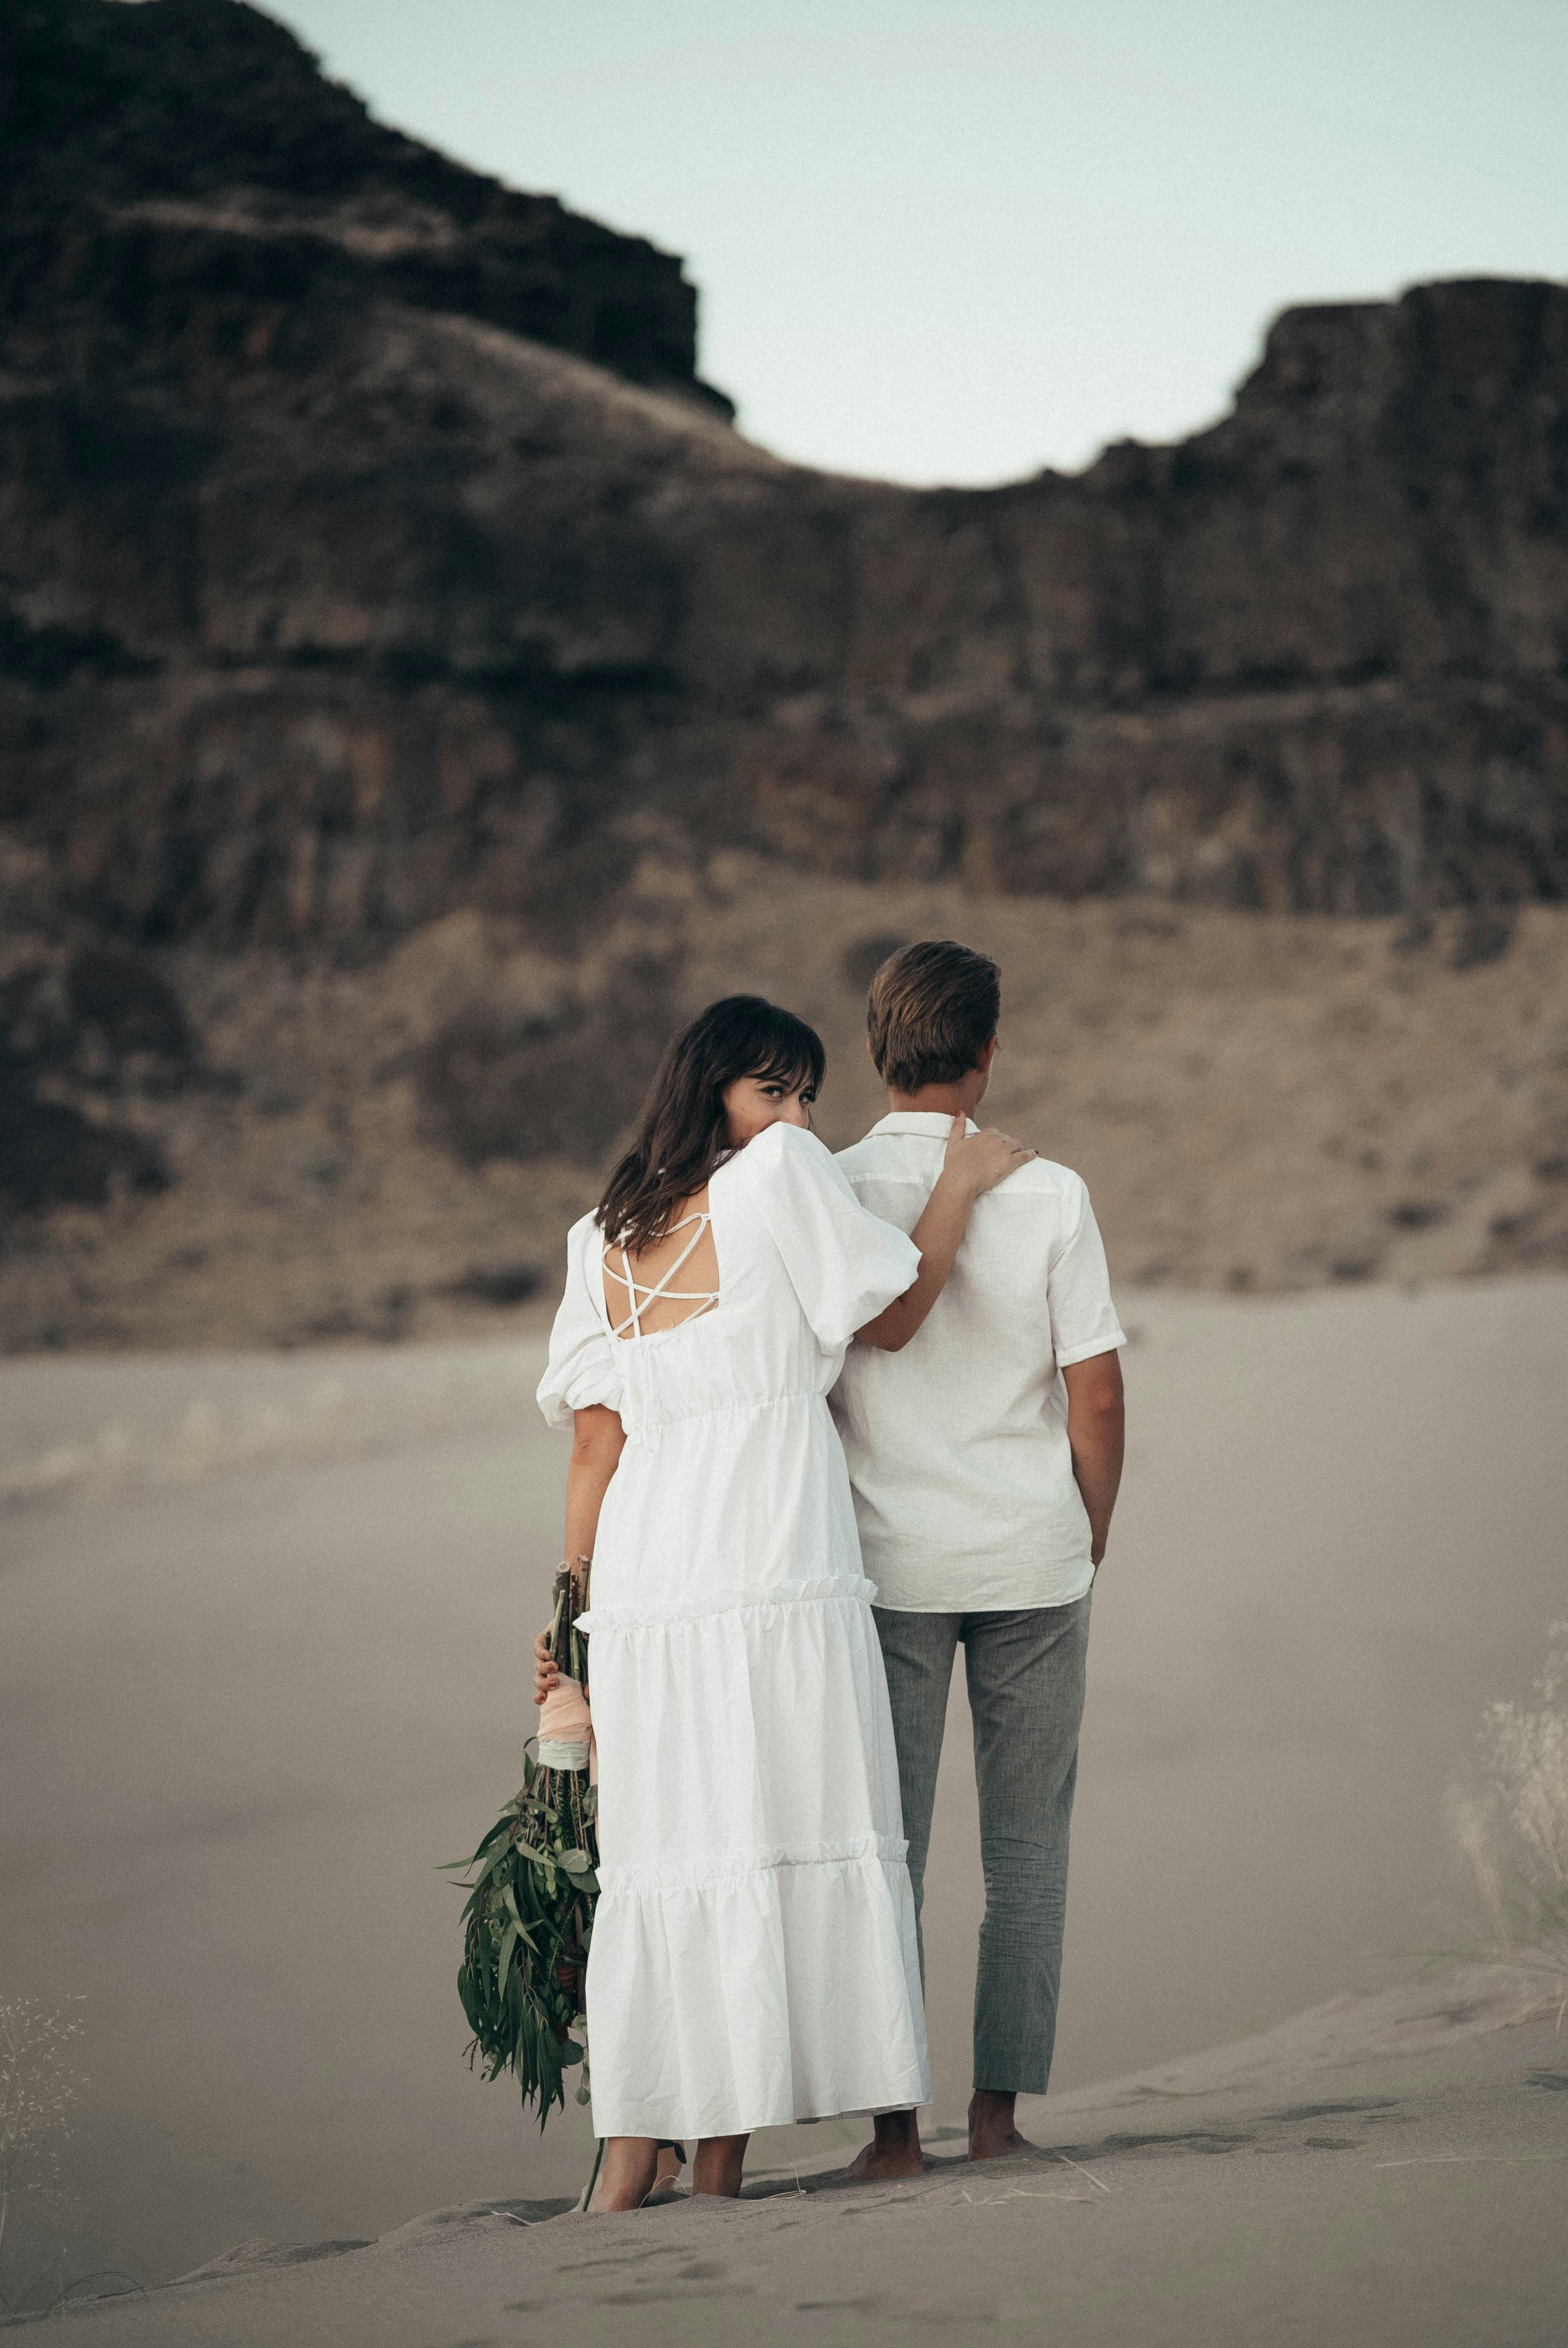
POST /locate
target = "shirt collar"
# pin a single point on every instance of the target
(932, 1124)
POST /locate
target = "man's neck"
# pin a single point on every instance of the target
(961, 1099)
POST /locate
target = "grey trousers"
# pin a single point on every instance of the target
(1026, 1675)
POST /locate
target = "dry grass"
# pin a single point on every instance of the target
(1259, 1102)
(1514, 1826)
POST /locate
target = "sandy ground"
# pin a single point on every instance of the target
(1392, 2171)
(265, 1623)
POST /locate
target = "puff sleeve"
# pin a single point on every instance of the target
(583, 1369)
(844, 1263)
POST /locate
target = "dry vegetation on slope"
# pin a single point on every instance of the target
(1258, 1101)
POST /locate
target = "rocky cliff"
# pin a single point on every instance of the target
(321, 615)
(367, 546)
(185, 166)
(373, 559)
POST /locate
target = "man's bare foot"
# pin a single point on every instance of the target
(893, 2150)
(626, 2179)
(991, 2129)
(718, 2167)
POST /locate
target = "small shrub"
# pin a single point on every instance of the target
(861, 960)
(1140, 921)
(1417, 1215)
(1485, 934)
(130, 1002)
(498, 1284)
(570, 895)
(52, 1156)
(1514, 1829)
(497, 1082)
(108, 1016)
(105, 1023)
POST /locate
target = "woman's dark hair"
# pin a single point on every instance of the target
(682, 1135)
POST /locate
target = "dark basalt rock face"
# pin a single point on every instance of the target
(368, 549)
(187, 157)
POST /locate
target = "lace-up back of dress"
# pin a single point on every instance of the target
(641, 1296)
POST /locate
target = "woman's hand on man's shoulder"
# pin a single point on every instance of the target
(979, 1161)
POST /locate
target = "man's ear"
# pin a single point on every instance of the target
(987, 1056)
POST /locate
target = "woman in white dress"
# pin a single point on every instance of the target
(754, 1954)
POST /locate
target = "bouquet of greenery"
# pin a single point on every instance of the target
(529, 1917)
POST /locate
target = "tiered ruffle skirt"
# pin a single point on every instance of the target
(754, 1957)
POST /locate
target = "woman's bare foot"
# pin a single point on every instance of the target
(893, 2150)
(718, 2166)
(626, 2179)
(667, 2176)
(991, 2129)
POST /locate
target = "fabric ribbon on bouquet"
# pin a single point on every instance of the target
(565, 1728)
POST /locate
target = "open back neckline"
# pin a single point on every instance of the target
(642, 1295)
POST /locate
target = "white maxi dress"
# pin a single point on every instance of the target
(754, 1957)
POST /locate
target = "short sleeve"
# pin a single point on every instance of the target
(583, 1369)
(1083, 1317)
(844, 1263)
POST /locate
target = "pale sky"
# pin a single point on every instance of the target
(960, 240)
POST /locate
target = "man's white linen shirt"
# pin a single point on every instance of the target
(957, 1449)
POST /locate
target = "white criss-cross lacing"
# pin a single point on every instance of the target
(641, 1295)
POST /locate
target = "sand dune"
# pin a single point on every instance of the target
(247, 1707)
(1391, 2171)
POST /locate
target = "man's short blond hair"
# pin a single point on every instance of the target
(932, 1010)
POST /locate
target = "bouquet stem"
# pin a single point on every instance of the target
(587, 2195)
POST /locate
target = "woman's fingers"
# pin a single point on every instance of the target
(980, 1160)
(546, 1675)
(996, 1155)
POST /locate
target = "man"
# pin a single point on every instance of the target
(985, 1459)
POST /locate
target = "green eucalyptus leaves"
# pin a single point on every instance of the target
(529, 1918)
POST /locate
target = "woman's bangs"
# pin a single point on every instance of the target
(792, 1056)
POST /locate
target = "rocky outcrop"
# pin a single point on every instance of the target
(183, 170)
(370, 549)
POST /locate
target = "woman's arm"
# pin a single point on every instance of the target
(598, 1440)
(974, 1163)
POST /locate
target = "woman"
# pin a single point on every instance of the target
(753, 1956)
